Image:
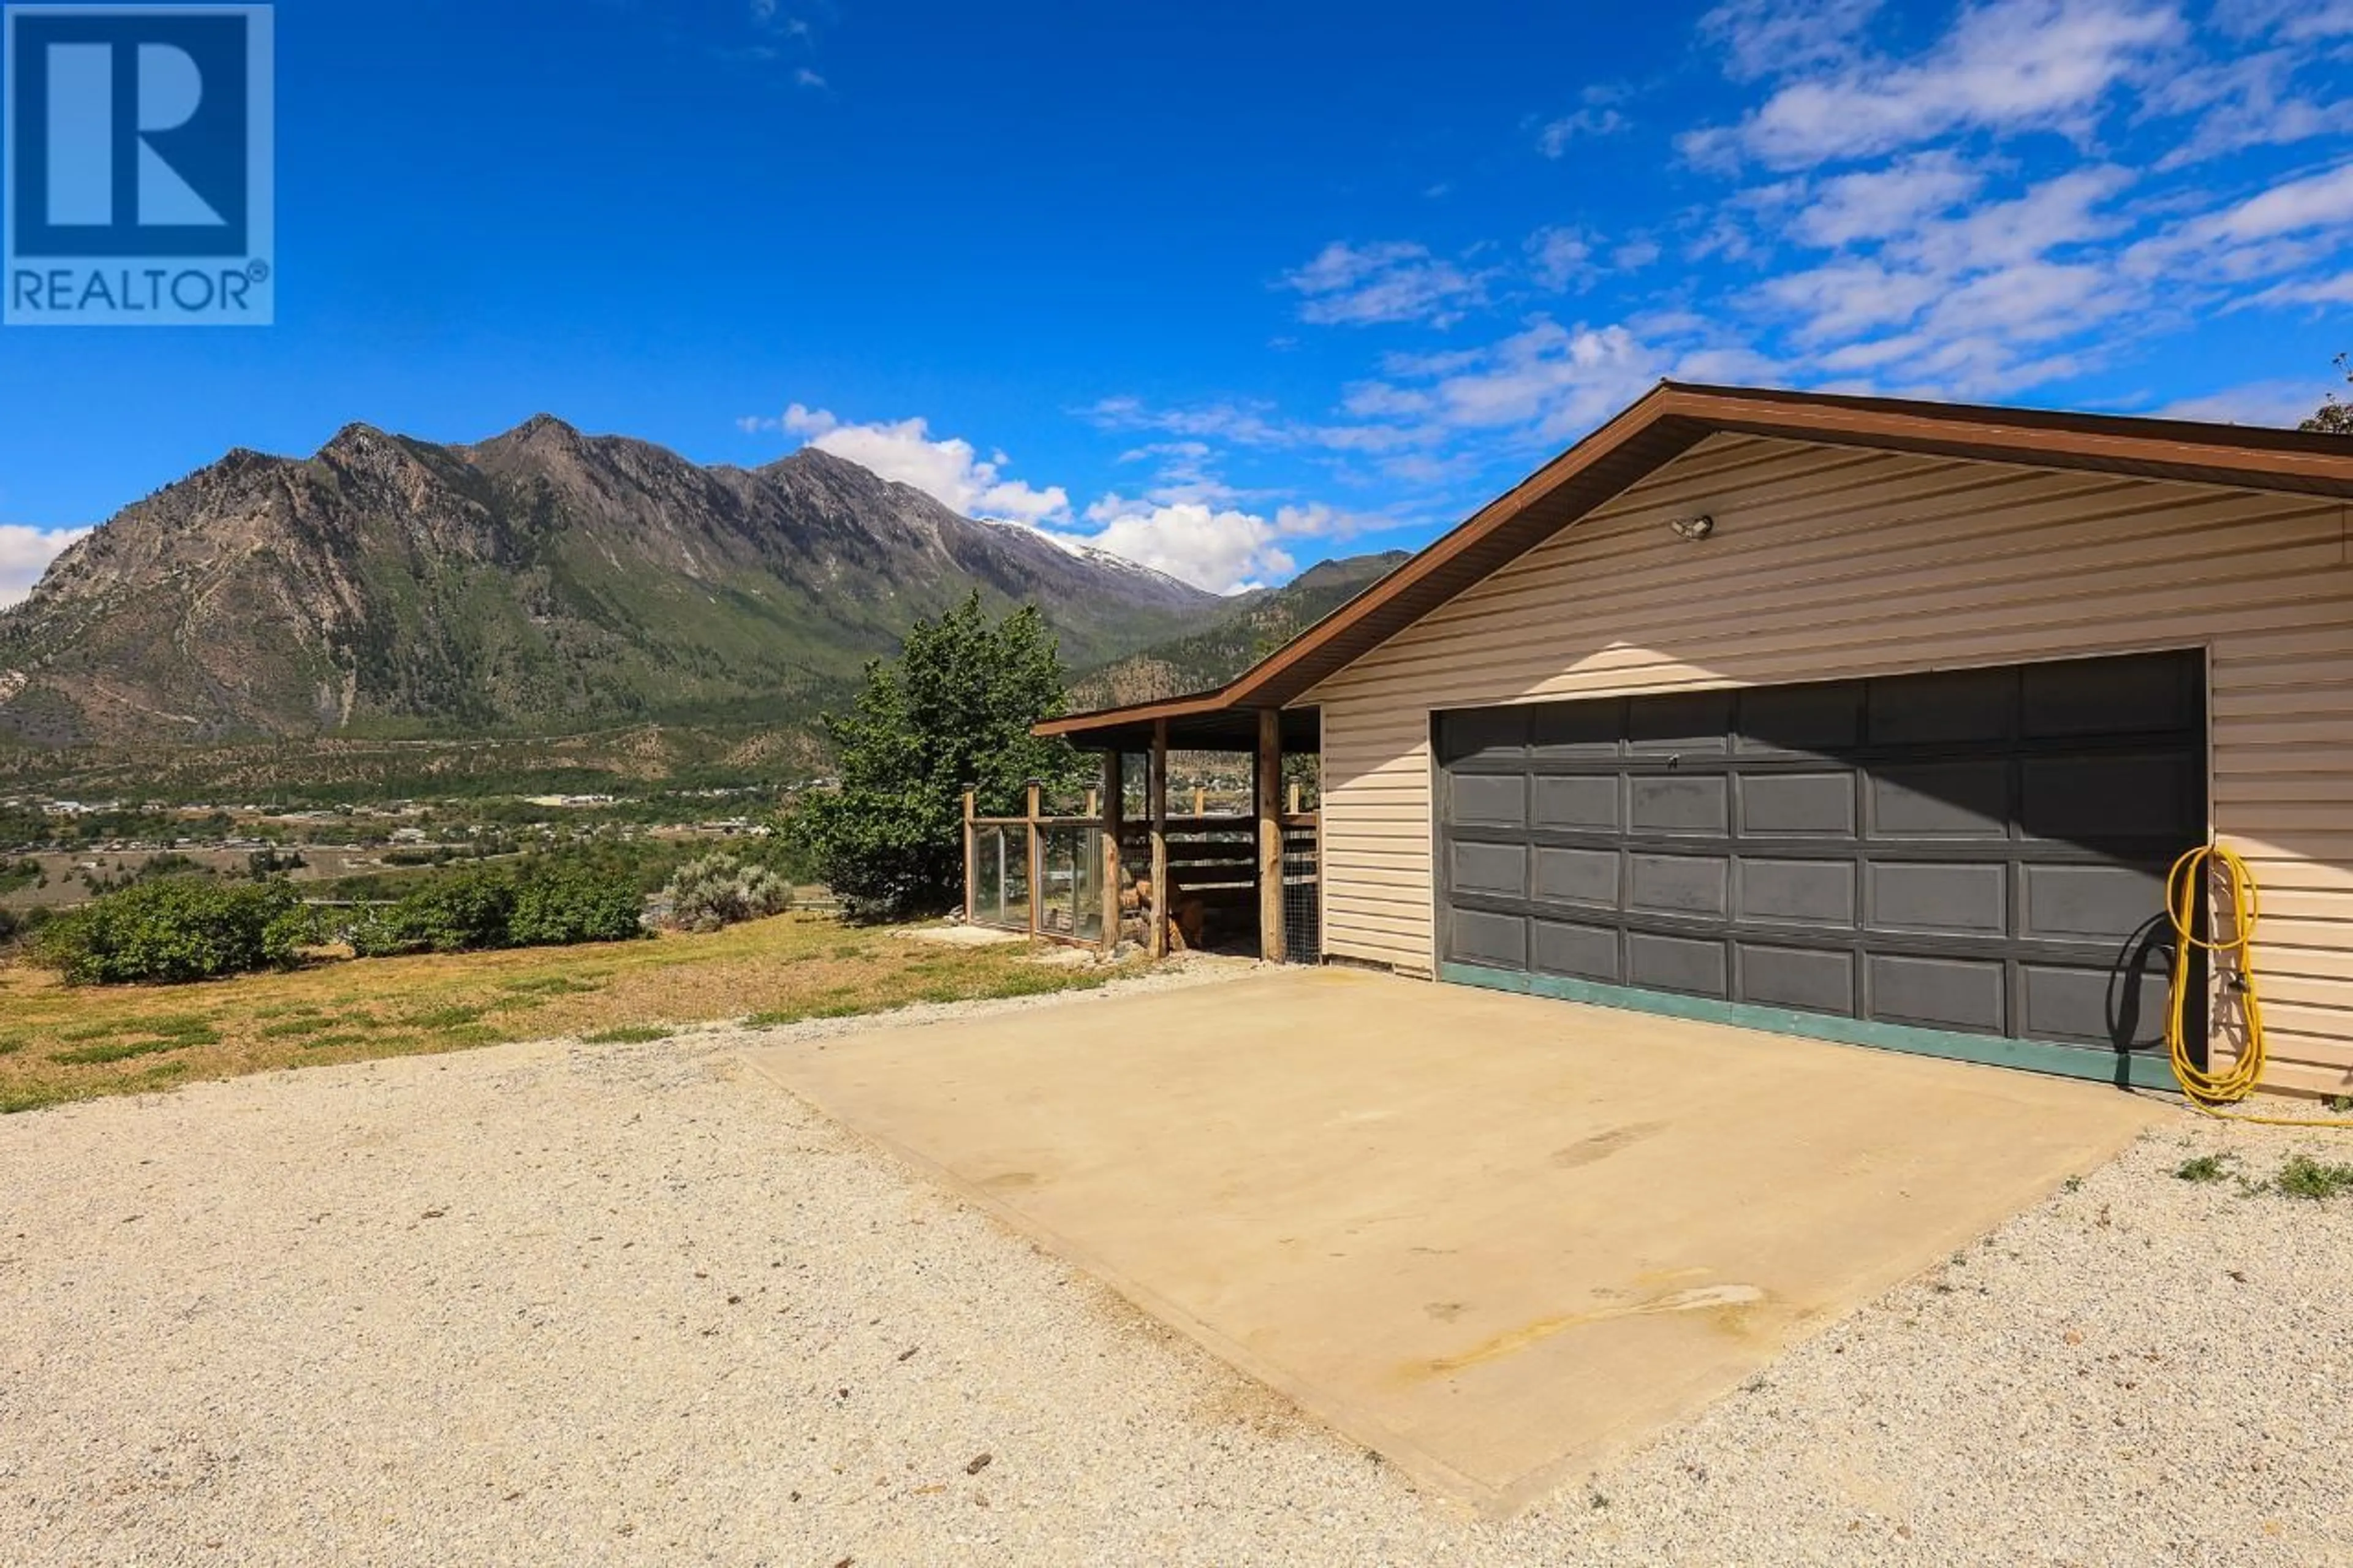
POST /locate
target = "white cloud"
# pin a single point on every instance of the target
(1780, 38)
(1224, 549)
(1243, 424)
(2317, 201)
(1390, 280)
(2336, 291)
(26, 553)
(1878, 203)
(804, 77)
(2284, 404)
(948, 469)
(1561, 257)
(2004, 66)
(1597, 116)
(2294, 20)
(1545, 379)
(1635, 255)
(1921, 286)
(2242, 103)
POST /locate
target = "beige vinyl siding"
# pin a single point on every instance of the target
(1832, 561)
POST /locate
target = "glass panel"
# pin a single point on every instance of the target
(1002, 871)
(1015, 908)
(1086, 885)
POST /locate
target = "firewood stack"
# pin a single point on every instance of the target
(1187, 918)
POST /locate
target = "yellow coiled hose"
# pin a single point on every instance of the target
(2232, 946)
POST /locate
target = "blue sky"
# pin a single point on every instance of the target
(1230, 289)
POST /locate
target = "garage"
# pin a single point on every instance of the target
(1864, 717)
(1975, 855)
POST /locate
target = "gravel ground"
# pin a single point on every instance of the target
(558, 1304)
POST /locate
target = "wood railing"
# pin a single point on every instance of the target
(1093, 878)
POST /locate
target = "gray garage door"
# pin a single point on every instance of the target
(1969, 863)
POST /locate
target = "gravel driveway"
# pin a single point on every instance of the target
(560, 1304)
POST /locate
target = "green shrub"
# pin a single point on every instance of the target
(2204, 1168)
(719, 891)
(559, 903)
(463, 911)
(174, 931)
(2306, 1177)
(550, 903)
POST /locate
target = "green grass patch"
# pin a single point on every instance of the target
(99, 1056)
(141, 1038)
(339, 1040)
(449, 1017)
(2306, 1177)
(630, 1034)
(2204, 1168)
(298, 1029)
(550, 986)
(459, 1036)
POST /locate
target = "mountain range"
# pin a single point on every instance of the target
(546, 582)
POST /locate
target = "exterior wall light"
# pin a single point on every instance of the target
(1694, 528)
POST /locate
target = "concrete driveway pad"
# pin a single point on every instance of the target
(1494, 1238)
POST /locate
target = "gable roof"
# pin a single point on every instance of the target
(1667, 422)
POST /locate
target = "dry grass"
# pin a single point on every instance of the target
(59, 1043)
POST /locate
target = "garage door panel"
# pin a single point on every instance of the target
(1679, 884)
(1960, 800)
(1697, 966)
(1801, 721)
(1489, 870)
(2095, 1004)
(2095, 904)
(1490, 800)
(2118, 697)
(1799, 893)
(1485, 735)
(1576, 804)
(1482, 936)
(1970, 705)
(1578, 731)
(1809, 806)
(1977, 852)
(1969, 995)
(1577, 877)
(2095, 798)
(1577, 951)
(1686, 722)
(1962, 898)
(1811, 979)
(1695, 802)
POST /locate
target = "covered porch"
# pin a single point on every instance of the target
(1225, 858)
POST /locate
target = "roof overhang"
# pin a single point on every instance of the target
(1667, 422)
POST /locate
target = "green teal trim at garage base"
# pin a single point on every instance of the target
(2138, 1070)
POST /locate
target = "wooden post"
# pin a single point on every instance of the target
(1037, 860)
(1200, 801)
(1114, 809)
(1155, 790)
(1094, 804)
(1269, 835)
(1294, 797)
(971, 861)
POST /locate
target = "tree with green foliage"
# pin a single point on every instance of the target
(2334, 416)
(569, 902)
(174, 931)
(954, 710)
